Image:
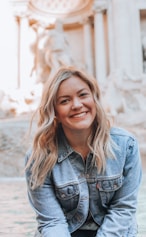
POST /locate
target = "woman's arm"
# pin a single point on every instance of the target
(50, 217)
(123, 206)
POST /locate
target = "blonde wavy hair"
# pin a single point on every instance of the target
(44, 151)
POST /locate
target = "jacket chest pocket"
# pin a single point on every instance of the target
(107, 188)
(68, 196)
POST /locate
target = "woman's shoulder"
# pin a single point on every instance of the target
(121, 132)
(124, 139)
(27, 155)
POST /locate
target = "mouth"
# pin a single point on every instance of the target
(79, 115)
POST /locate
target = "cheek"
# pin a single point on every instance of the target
(60, 113)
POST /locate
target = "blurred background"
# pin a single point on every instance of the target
(106, 38)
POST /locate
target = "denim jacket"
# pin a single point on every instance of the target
(75, 188)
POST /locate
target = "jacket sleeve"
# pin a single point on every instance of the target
(49, 215)
(122, 209)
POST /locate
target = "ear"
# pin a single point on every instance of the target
(56, 118)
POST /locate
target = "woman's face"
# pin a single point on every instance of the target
(75, 107)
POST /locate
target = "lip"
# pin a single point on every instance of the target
(79, 115)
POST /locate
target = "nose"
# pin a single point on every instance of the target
(76, 103)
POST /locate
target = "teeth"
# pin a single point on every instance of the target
(79, 115)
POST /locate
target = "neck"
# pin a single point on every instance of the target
(79, 142)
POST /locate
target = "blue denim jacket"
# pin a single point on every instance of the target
(74, 189)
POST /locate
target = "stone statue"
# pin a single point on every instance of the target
(53, 52)
(58, 49)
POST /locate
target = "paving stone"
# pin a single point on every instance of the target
(17, 219)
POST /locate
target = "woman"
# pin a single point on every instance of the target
(82, 174)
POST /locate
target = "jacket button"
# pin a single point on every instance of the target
(63, 195)
(87, 176)
(115, 185)
(97, 186)
(70, 190)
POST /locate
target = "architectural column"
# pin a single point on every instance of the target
(8, 42)
(88, 46)
(135, 38)
(125, 41)
(25, 63)
(124, 37)
(100, 57)
(120, 24)
(110, 38)
(18, 19)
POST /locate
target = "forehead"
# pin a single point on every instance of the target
(73, 83)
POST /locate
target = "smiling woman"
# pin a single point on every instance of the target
(80, 170)
(75, 108)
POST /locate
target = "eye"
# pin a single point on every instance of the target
(84, 94)
(64, 101)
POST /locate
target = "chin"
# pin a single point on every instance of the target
(82, 127)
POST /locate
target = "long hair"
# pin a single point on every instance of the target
(44, 151)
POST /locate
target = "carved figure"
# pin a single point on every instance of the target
(58, 50)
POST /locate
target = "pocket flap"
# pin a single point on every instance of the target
(109, 185)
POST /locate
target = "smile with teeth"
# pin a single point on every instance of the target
(79, 115)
